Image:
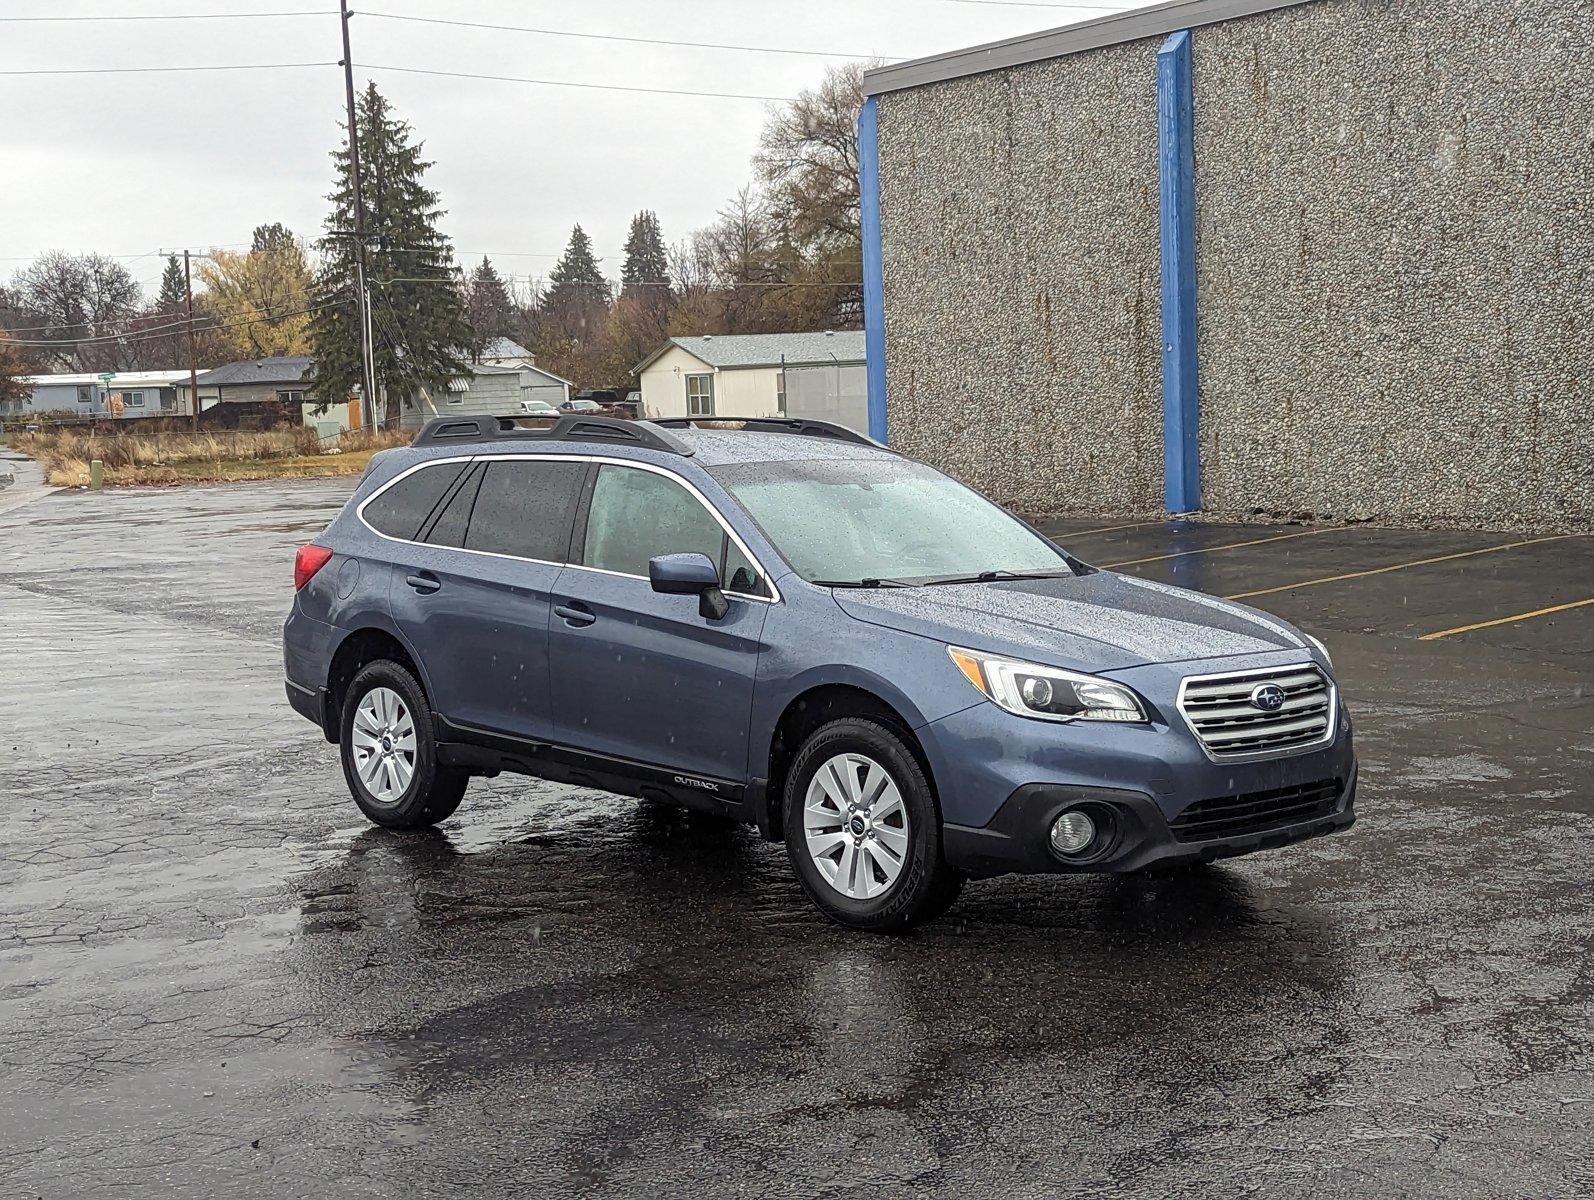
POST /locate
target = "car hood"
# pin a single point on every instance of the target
(1095, 622)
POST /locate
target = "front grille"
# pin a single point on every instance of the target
(1220, 711)
(1255, 812)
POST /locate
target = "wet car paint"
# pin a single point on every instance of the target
(215, 978)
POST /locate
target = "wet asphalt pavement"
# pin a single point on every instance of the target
(217, 980)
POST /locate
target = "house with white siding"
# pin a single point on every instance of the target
(123, 395)
(815, 375)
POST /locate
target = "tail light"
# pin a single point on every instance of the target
(307, 562)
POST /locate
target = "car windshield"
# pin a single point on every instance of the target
(878, 521)
(584, 405)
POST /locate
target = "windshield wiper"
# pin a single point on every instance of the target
(861, 583)
(995, 576)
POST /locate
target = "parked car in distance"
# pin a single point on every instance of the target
(537, 408)
(578, 405)
(788, 624)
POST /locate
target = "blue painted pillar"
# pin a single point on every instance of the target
(1181, 449)
(874, 280)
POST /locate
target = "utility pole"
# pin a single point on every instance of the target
(362, 296)
(193, 368)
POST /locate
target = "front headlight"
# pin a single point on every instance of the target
(1321, 648)
(1047, 693)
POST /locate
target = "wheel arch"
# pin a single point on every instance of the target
(368, 644)
(816, 706)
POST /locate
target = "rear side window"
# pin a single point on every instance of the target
(524, 508)
(452, 522)
(404, 507)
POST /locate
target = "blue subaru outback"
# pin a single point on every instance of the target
(782, 622)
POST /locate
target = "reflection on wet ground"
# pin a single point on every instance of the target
(217, 980)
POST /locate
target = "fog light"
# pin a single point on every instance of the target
(1073, 832)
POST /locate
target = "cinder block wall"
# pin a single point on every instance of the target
(1395, 268)
(1019, 239)
(1395, 261)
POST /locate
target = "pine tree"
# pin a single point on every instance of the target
(578, 294)
(173, 294)
(647, 267)
(420, 332)
(275, 238)
(489, 307)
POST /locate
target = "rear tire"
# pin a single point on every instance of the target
(863, 830)
(389, 751)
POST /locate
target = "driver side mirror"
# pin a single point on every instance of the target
(690, 575)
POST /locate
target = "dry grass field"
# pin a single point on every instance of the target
(133, 459)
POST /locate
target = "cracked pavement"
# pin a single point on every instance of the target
(217, 979)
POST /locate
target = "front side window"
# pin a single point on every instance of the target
(133, 399)
(700, 395)
(638, 515)
(84, 395)
(886, 518)
(523, 508)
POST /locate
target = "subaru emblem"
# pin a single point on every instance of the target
(1268, 697)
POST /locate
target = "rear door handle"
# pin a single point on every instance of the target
(575, 614)
(424, 582)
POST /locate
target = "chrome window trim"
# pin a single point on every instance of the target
(359, 512)
(1260, 755)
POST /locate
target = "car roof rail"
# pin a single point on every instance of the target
(481, 427)
(801, 425)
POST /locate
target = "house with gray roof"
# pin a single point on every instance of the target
(260, 393)
(816, 375)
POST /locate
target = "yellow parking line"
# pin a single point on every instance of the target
(1537, 612)
(1110, 529)
(1420, 562)
(1278, 537)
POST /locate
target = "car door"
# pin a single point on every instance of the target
(639, 675)
(473, 592)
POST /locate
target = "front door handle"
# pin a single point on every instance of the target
(575, 614)
(424, 582)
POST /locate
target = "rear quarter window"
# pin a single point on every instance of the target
(402, 509)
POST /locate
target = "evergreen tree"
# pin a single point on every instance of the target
(489, 307)
(420, 332)
(641, 316)
(275, 238)
(172, 297)
(574, 311)
(647, 267)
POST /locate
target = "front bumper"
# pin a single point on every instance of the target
(1016, 837)
(1002, 779)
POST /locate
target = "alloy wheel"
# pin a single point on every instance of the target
(383, 744)
(856, 825)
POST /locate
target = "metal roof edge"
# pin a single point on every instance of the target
(1152, 21)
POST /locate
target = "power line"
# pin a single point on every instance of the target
(1041, 4)
(602, 87)
(615, 37)
(165, 330)
(166, 70)
(222, 16)
(262, 302)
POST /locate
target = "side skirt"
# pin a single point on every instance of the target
(489, 753)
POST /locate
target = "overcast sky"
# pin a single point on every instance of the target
(133, 164)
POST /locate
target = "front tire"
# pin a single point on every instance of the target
(863, 830)
(389, 751)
